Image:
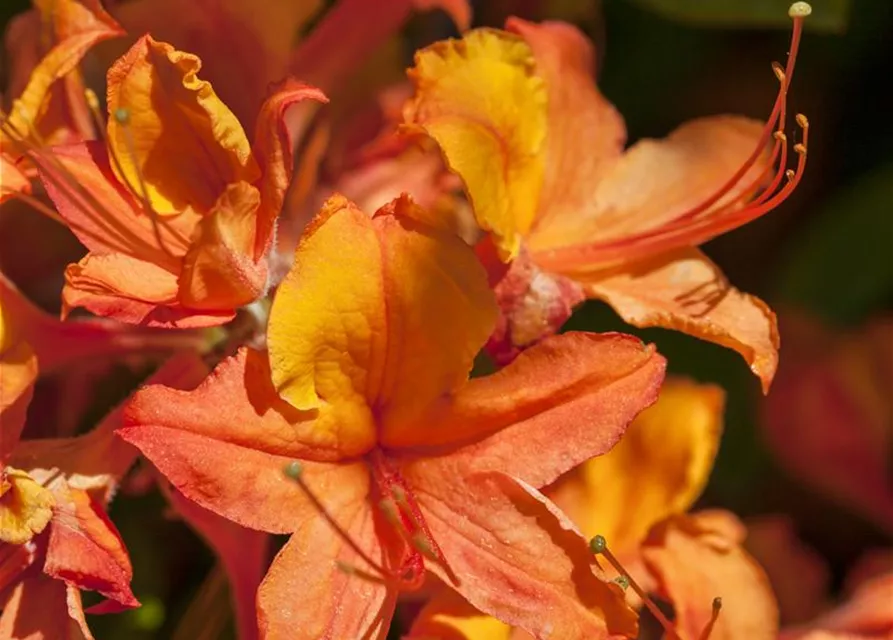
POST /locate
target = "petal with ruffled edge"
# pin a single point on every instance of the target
(480, 99)
(685, 291)
(698, 558)
(387, 327)
(176, 135)
(658, 468)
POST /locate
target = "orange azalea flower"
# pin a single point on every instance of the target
(636, 497)
(402, 459)
(55, 538)
(246, 46)
(541, 154)
(829, 419)
(177, 209)
(47, 112)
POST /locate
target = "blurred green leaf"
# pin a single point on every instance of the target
(827, 15)
(842, 266)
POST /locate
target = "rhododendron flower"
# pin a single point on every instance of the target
(398, 462)
(635, 497)
(540, 151)
(829, 419)
(177, 209)
(55, 538)
(49, 104)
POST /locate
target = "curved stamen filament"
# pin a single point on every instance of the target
(705, 221)
(599, 546)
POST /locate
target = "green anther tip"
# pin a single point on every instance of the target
(717, 603)
(293, 469)
(598, 544)
(622, 582)
(122, 115)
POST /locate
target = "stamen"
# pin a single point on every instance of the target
(36, 204)
(95, 113)
(294, 471)
(599, 546)
(122, 117)
(717, 607)
(705, 220)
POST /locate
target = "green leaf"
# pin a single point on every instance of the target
(842, 265)
(827, 15)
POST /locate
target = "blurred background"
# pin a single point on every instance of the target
(818, 449)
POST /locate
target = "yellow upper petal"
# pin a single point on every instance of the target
(480, 99)
(658, 468)
(377, 318)
(169, 130)
(25, 506)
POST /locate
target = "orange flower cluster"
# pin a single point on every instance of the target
(314, 299)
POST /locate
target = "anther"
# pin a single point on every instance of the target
(622, 582)
(800, 10)
(778, 70)
(802, 121)
(714, 616)
(122, 115)
(780, 137)
(293, 470)
(599, 546)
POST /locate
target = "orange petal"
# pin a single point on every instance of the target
(41, 608)
(867, 615)
(352, 30)
(219, 271)
(575, 388)
(109, 219)
(654, 182)
(391, 325)
(274, 150)
(828, 420)
(685, 291)
(18, 370)
(86, 27)
(25, 506)
(698, 558)
(494, 532)
(658, 469)
(85, 549)
(586, 133)
(12, 180)
(306, 595)
(177, 137)
(798, 574)
(253, 491)
(481, 100)
(242, 551)
(256, 417)
(448, 616)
